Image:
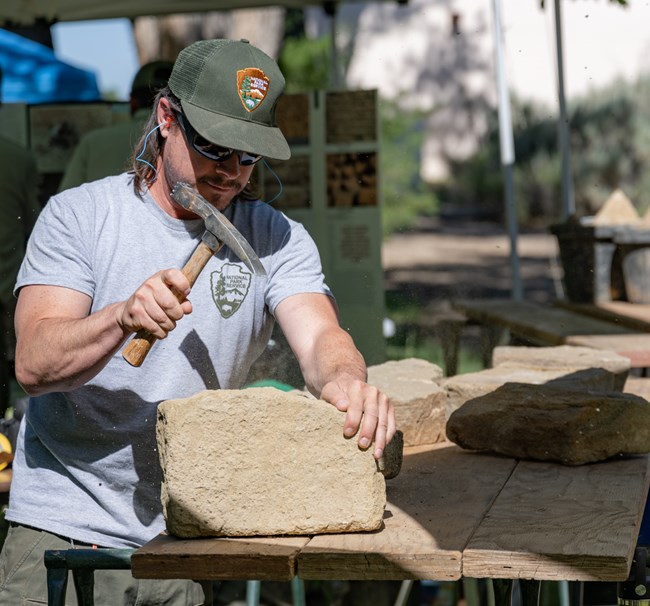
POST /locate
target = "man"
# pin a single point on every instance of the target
(102, 263)
(20, 208)
(106, 151)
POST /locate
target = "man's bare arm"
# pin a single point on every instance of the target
(333, 368)
(60, 345)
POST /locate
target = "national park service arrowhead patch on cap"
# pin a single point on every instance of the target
(252, 85)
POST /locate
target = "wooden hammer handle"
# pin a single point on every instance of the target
(138, 347)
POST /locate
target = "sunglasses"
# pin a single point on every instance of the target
(210, 150)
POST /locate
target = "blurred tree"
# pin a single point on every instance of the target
(610, 148)
(164, 37)
(404, 194)
(305, 63)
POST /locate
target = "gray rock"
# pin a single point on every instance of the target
(567, 357)
(390, 463)
(262, 461)
(552, 423)
(462, 388)
(419, 401)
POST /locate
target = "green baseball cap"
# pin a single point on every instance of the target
(228, 91)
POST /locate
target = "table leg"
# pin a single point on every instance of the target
(404, 592)
(298, 592)
(449, 332)
(253, 591)
(490, 337)
(529, 592)
(471, 591)
(635, 591)
(502, 589)
(576, 593)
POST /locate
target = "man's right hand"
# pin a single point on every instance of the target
(158, 304)
(61, 345)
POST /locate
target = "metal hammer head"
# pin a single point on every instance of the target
(218, 226)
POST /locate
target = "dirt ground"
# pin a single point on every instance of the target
(438, 262)
(444, 261)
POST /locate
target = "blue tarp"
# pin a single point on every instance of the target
(32, 74)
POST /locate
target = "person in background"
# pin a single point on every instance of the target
(106, 151)
(101, 264)
(20, 207)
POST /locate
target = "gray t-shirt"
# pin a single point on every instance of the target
(86, 464)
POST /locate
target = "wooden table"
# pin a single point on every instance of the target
(450, 513)
(538, 324)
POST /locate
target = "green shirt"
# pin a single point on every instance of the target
(20, 208)
(104, 152)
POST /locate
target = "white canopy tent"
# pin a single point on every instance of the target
(21, 13)
(25, 12)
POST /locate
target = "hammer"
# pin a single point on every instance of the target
(218, 231)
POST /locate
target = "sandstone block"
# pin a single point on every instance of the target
(261, 461)
(568, 357)
(465, 387)
(419, 401)
(553, 423)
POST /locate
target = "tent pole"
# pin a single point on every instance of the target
(507, 147)
(568, 201)
(335, 79)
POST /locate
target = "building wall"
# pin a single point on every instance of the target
(439, 56)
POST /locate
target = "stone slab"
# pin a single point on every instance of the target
(412, 386)
(262, 461)
(567, 357)
(553, 423)
(465, 387)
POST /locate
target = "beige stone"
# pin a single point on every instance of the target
(639, 386)
(552, 423)
(261, 461)
(465, 387)
(411, 385)
(567, 357)
(617, 210)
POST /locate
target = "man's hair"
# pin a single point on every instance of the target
(149, 147)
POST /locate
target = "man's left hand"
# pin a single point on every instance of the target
(370, 415)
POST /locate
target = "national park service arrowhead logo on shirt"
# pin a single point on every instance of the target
(252, 85)
(229, 287)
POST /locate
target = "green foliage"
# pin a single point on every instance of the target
(404, 194)
(609, 138)
(305, 63)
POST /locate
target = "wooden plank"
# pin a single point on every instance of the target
(632, 315)
(258, 558)
(544, 325)
(434, 505)
(554, 522)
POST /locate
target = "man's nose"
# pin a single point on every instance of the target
(231, 166)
